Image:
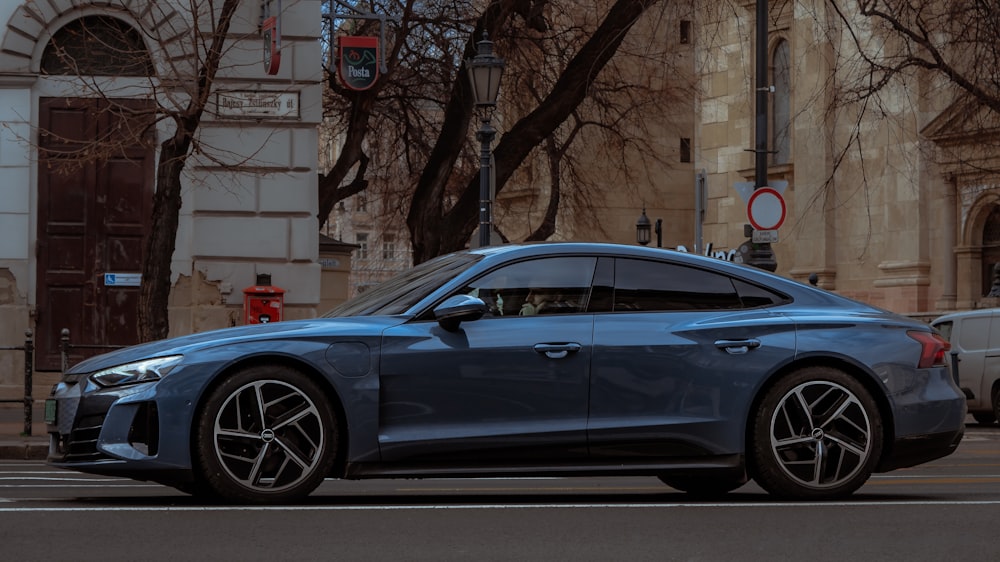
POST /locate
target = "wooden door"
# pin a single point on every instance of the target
(94, 207)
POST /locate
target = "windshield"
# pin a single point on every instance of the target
(406, 289)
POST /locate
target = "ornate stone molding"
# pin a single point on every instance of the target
(970, 197)
(904, 274)
(30, 26)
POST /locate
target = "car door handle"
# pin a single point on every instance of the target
(737, 347)
(557, 350)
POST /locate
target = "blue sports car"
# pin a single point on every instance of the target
(527, 360)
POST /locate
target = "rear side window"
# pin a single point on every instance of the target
(753, 296)
(656, 286)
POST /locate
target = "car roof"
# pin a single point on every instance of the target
(530, 249)
(952, 316)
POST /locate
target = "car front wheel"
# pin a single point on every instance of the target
(817, 435)
(266, 434)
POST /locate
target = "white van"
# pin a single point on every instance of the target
(975, 354)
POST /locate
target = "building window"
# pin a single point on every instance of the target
(388, 246)
(360, 204)
(781, 117)
(685, 150)
(361, 239)
(97, 46)
(685, 35)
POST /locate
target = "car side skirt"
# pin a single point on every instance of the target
(732, 466)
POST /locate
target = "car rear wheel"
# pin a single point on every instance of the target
(817, 435)
(266, 434)
(702, 487)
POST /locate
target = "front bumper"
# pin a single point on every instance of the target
(119, 431)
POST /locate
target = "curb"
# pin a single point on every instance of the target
(24, 451)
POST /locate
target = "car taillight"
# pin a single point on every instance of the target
(933, 349)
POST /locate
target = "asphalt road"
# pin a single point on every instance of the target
(942, 510)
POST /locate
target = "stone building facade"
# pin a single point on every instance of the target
(894, 206)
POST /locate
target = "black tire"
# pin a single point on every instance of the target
(703, 488)
(984, 418)
(816, 436)
(266, 434)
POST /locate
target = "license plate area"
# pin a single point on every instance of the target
(51, 411)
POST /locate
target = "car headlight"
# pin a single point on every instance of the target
(147, 370)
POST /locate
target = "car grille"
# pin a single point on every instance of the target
(81, 444)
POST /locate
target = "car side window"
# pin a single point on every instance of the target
(558, 285)
(650, 286)
(754, 296)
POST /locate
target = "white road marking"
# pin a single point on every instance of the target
(810, 505)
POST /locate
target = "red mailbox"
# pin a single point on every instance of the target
(263, 303)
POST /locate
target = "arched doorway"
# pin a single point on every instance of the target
(96, 160)
(991, 248)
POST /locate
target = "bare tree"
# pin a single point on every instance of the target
(947, 51)
(174, 152)
(567, 96)
(957, 40)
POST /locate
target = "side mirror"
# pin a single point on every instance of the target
(457, 309)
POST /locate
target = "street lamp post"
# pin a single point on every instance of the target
(762, 255)
(485, 70)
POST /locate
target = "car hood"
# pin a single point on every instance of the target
(294, 329)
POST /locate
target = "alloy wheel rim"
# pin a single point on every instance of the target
(820, 434)
(269, 436)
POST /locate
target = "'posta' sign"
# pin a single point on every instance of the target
(358, 68)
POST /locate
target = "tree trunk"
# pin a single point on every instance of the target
(154, 294)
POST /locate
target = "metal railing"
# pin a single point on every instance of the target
(29, 367)
(65, 346)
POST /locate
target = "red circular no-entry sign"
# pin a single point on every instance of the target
(766, 209)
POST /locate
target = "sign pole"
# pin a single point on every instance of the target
(761, 255)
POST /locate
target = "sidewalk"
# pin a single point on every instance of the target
(14, 444)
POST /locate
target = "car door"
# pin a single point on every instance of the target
(971, 339)
(991, 363)
(677, 359)
(509, 387)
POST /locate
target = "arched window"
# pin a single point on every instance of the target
(781, 117)
(97, 46)
(991, 248)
